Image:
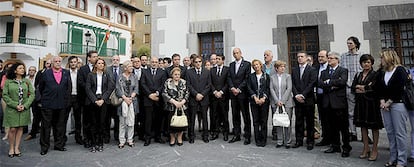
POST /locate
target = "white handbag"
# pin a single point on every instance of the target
(179, 121)
(281, 119)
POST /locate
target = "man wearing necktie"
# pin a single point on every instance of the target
(114, 71)
(323, 64)
(152, 85)
(198, 84)
(139, 118)
(333, 81)
(303, 82)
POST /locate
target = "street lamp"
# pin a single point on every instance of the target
(88, 39)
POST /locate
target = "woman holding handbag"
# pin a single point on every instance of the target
(127, 89)
(281, 96)
(258, 88)
(175, 95)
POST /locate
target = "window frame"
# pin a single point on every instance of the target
(99, 5)
(292, 53)
(147, 19)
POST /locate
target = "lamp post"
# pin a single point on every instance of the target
(88, 39)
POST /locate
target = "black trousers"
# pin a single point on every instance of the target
(112, 113)
(53, 119)
(86, 123)
(139, 126)
(98, 118)
(260, 115)
(304, 113)
(338, 123)
(219, 115)
(241, 106)
(323, 117)
(154, 118)
(37, 118)
(76, 109)
(192, 112)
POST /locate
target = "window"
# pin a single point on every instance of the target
(147, 19)
(99, 9)
(302, 39)
(119, 18)
(399, 35)
(125, 18)
(210, 43)
(106, 12)
(78, 4)
(147, 38)
(147, 2)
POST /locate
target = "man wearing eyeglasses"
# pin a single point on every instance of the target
(198, 83)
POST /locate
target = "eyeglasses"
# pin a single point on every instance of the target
(197, 61)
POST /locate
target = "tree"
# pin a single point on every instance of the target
(144, 50)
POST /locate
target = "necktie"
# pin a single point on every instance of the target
(153, 72)
(198, 72)
(116, 74)
(219, 71)
(331, 71)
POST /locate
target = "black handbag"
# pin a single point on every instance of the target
(408, 95)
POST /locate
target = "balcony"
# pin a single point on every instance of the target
(23, 40)
(78, 49)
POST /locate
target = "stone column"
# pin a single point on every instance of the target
(17, 4)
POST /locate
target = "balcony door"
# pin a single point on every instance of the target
(77, 38)
(9, 32)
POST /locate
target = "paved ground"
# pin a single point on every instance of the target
(215, 153)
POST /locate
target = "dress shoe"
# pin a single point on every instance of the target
(11, 155)
(297, 145)
(147, 142)
(374, 156)
(43, 152)
(159, 140)
(131, 144)
(121, 146)
(205, 140)
(309, 147)
(322, 143)
(345, 153)
(71, 132)
(172, 144)
(332, 150)
(226, 137)
(234, 139)
(287, 146)
(60, 149)
(100, 148)
(93, 149)
(279, 145)
(18, 154)
(410, 159)
(213, 137)
(247, 141)
(191, 141)
(29, 137)
(179, 144)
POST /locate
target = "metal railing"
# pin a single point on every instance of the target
(79, 49)
(23, 40)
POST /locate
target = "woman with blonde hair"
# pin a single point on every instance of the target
(390, 87)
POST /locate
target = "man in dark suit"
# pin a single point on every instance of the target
(152, 85)
(176, 63)
(237, 79)
(114, 72)
(323, 64)
(139, 118)
(198, 83)
(333, 81)
(219, 110)
(303, 82)
(36, 107)
(55, 88)
(83, 72)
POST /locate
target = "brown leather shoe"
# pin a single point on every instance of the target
(29, 137)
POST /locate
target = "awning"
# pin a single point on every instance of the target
(95, 29)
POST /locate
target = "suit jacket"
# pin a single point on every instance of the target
(285, 88)
(110, 72)
(238, 80)
(334, 92)
(152, 84)
(305, 85)
(54, 95)
(91, 85)
(198, 84)
(219, 83)
(81, 82)
(254, 89)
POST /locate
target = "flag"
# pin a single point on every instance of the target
(107, 33)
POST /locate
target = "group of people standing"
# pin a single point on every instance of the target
(345, 89)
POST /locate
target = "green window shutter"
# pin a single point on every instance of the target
(9, 32)
(122, 46)
(76, 41)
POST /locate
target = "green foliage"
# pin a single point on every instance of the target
(144, 50)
